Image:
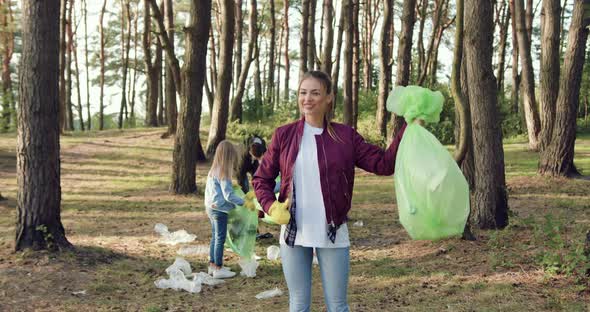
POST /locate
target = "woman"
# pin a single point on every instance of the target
(316, 154)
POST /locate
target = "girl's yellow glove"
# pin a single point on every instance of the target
(249, 201)
(279, 212)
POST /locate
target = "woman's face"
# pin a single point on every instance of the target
(312, 99)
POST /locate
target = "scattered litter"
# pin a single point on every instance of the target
(80, 292)
(248, 267)
(180, 236)
(181, 265)
(269, 293)
(256, 257)
(207, 279)
(178, 281)
(273, 252)
(193, 250)
(359, 223)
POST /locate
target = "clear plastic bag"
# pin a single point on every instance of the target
(269, 293)
(273, 252)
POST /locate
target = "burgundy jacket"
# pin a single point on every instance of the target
(336, 161)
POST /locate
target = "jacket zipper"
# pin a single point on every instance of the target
(346, 190)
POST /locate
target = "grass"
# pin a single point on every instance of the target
(114, 190)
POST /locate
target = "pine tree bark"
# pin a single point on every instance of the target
(336, 70)
(69, 46)
(490, 203)
(356, 63)
(504, 22)
(239, 28)
(328, 38)
(270, 81)
(287, 61)
(311, 55)
(404, 55)
(86, 64)
(236, 105)
(528, 78)
(38, 221)
(347, 110)
(62, 64)
(102, 66)
(515, 93)
(171, 107)
(558, 158)
(7, 49)
(385, 63)
(304, 40)
(125, 47)
(151, 116)
(549, 75)
(221, 101)
(78, 85)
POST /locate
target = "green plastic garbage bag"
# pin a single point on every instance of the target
(432, 193)
(241, 229)
(413, 102)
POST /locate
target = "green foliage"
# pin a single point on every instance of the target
(242, 131)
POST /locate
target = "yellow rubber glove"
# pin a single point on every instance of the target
(249, 201)
(279, 212)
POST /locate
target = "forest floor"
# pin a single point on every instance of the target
(115, 189)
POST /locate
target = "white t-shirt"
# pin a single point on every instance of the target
(310, 213)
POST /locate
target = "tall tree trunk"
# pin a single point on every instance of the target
(62, 64)
(347, 110)
(151, 116)
(69, 46)
(213, 65)
(421, 11)
(562, 29)
(514, 95)
(270, 82)
(356, 63)
(78, 86)
(436, 25)
(490, 202)
(404, 55)
(528, 78)
(336, 70)
(125, 47)
(462, 118)
(239, 28)
(86, 65)
(311, 55)
(328, 38)
(171, 110)
(134, 80)
(257, 83)
(38, 221)
(236, 105)
(505, 20)
(558, 158)
(221, 102)
(385, 63)
(367, 43)
(189, 82)
(102, 67)
(160, 85)
(549, 84)
(287, 61)
(304, 39)
(7, 48)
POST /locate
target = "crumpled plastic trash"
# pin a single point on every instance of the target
(273, 252)
(248, 266)
(194, 250)
(178, 281)
(359, 223)
(269, 293)
(180, 236)
(180, 264)
(207, 279)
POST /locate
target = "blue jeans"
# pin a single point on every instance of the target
(334, 268)
(218, 221)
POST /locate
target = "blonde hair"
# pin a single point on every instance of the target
(326, 82)
(224, 161)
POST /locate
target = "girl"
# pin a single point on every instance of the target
(219, 200)
(316, 159)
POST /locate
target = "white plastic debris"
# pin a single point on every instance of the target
(180, 264)
(80, 292)
(273, 252)
(180, 236)
(194, 250)
(248, 266)
(178, 281)
(269, 293)
(359, 223)
(207, 279)
(256, 257)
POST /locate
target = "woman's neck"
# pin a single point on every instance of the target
(315, 121)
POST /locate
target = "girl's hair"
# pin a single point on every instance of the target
(224, 161)
(326, 82)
